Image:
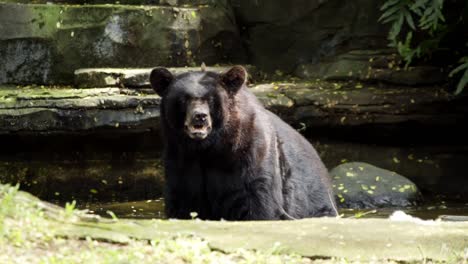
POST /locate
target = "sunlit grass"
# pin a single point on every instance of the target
(26, 236)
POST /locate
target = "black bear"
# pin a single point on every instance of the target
(227, 157)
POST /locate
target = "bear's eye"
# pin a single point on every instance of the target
(182, 100)
(179, 105)
(207, 98)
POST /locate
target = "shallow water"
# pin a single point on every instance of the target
(150, 209)
(147, 209)
(428, 211)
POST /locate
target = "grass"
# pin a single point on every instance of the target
(29, 228)
(26, 236)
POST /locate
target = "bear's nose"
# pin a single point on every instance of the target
(200, 117)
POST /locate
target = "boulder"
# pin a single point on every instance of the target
(36, 109)
(434, 160)
(122, 2)
(49, 110)
(371, 66)
(340, 104)
(361, 185)
(280, 34)
(135, 77)
(46, 43)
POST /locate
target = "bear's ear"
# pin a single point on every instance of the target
(160, 78)
(234, 79)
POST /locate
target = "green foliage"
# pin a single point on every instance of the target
(405, 50)
(396, 12)
(28, 234)
(112, 214)
(70, 208)
(464, 79)
(6, 203)
(429, 17)
(424, 17)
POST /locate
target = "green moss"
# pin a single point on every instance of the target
(114, 2)
(83, 36)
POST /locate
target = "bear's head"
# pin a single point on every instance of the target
(195, 104)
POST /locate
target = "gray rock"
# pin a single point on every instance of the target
(432, 167)
(122, 2)
(361, 185)
(280, 34)
(25, 59)
(73, 110)
(371, 66)
(329, 104)
(45, 44)
(314, 104)
(134, 78)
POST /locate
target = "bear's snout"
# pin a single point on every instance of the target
(198, 120)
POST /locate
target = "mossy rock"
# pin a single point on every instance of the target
(48, 110)
(361, 185)
(44, 44)
(122, 2)
(280, 34)
(372, 66)
(137, 77)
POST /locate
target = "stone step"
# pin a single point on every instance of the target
(374, 66)
(48, 110)
(121, 2)
(46, 43)
(310, 105)
(136, 77)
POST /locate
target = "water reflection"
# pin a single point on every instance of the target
(148, 209)
(154, 209)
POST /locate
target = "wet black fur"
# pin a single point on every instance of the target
(252, 166)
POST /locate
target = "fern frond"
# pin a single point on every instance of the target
(388, 4)
(409, 19)
(432, 15)
(464, 79)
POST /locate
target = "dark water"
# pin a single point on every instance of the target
(147, 209)
(118, 172)
(428, 211)
(150, 209)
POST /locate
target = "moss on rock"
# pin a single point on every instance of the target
(43, 43)
(361, 185)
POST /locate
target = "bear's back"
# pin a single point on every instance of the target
(306, 184)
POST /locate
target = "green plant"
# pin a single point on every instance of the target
(70, 208)
(429, 19)
(464, 79)
(426, 19)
